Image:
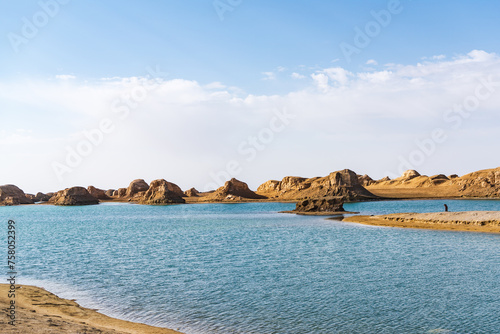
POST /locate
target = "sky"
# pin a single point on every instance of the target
(196, 92)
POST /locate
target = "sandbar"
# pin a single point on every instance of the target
(39, 312)
(472, 221)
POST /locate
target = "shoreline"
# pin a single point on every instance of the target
(285, 201)
(465, 221)
(40, 311)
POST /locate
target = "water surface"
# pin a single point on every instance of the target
(244, 268)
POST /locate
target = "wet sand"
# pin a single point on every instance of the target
(39, 311)
(472, 221)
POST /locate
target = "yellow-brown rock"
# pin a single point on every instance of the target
(73, 196)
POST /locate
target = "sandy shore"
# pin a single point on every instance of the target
(472, 221)
(39, 311)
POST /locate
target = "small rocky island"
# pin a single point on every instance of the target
(324, 206)
(73, 196)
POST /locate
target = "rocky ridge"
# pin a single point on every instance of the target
(344, 183)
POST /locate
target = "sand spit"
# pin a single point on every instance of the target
(39, 311)
(472, 221)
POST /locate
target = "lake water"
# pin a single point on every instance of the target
(244, 268)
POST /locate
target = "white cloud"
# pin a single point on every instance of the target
(371, 62)
(296, 75)
(269, 76)
(183, 130)
(65, 77)
(338, 75)
(438, 57)
(321, 81)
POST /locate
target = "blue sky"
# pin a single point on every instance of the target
(268, 54)
(95, 39)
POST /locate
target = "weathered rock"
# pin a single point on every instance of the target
(410, 174)
(110, 192)
(438, 179)
(162, 192)
(41, 197)
(12, 195)
(293, 183)
(384, 179)
(135, 187)
(234, 189)
(122, 192)
(269, 186)
(325, 204)
(483, 183)
(97, 193)
(343, 183)
(191, 192)
(73, 196)
(116, 193)
(365, 180)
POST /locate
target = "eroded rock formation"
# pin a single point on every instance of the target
(97, 193)
(365, 180)
(344, 183)
(320, 205)
(12, 195)
(73, 196)
(191, 192)
(162, 192)
(234, 190)
(135, 187)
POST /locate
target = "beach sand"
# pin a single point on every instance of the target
(39, 311)
(472, 221)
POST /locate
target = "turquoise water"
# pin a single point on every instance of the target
(244, 268)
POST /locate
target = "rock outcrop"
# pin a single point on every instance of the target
(162, 192)
(41, 197)
(12, 195)
(192, 193)
(439, 179)
(110, 192)
(409, 179)
(483, 183)
(234, 190)
(344, 183)
(410, 174)
(98, 193)
(136, 187)
(320, 205)
(365, 180)
(122, 192)
(73, 196)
